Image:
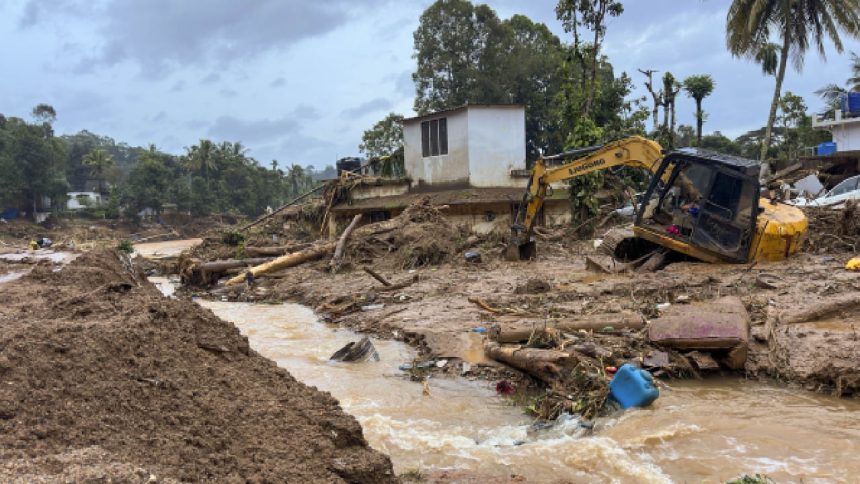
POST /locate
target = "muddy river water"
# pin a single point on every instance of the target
(706, 431)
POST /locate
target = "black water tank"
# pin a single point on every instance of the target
(348, 164)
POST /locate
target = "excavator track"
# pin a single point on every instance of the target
(623, 245)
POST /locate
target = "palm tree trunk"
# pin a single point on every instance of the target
(780, 76)
(699, 122)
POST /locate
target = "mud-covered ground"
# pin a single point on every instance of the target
(104, 379)
(436, 297)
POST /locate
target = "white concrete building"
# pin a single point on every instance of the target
(475, 146)
(79, 200)
(845, 130)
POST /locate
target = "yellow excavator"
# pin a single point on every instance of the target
(702, 204)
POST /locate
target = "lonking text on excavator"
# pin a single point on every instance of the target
(704, 205)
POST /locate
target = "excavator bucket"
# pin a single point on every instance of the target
(527, 251)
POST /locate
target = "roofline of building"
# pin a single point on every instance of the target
(462, 108)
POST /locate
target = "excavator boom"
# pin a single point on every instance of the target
(634, 152)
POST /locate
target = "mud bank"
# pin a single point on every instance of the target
(104, 378)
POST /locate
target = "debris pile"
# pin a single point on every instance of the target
(834, 231)
(96, 362)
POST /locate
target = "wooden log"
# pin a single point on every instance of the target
(377, 276)
(546, 365)
(337, 258)
(594, 322)
(223, 265)
(822, 308)
(276, 250)
(289, 260)
(315, 252)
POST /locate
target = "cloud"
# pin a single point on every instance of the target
(372, 106)
(160, 35)
(255, 131)
(279, 82)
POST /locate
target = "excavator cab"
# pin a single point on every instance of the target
(702, 204)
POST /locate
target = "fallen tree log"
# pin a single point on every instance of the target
(595, 322)
(822, 308)
(224, 265)
(283, 262)
(546, 365)
(317, 251)
(276, 250)
(337, 258)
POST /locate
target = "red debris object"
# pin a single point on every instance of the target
(505, 387)
(611, 369)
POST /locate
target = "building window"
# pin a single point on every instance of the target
(434, 137)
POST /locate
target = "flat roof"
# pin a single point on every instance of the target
(463, 108)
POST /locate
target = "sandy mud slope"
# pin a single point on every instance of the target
(101, 377)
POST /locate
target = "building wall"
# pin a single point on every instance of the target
(376, 191)
(74, 204)
(497, 144)
(449, 169)
(846, 136)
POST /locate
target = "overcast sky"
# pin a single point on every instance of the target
(300, 80)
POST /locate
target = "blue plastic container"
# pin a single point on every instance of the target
(850, 102)
(826, 148)
(633, 387)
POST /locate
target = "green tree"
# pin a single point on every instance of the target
(44, 113)
(750, 25)
(792, 114)
(148, 184)
(384, 138)
(699, 87)
(591, 15)
(202, 158)
(99, 162)
(458, 52)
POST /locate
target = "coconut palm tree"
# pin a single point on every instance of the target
(99, 161)
(797, 24)
(831, 93)
(202, 158)
(699, 87)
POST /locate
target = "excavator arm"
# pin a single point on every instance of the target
(634, 152)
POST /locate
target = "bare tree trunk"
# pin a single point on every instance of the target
(337, 259)
(699, 122)
(780, 76)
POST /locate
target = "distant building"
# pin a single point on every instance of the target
(81, 200)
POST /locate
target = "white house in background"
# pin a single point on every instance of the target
(79, 200)
(845, 130)
(476, 145)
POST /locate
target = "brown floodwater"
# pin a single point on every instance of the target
(697, 431)
(164, 249)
